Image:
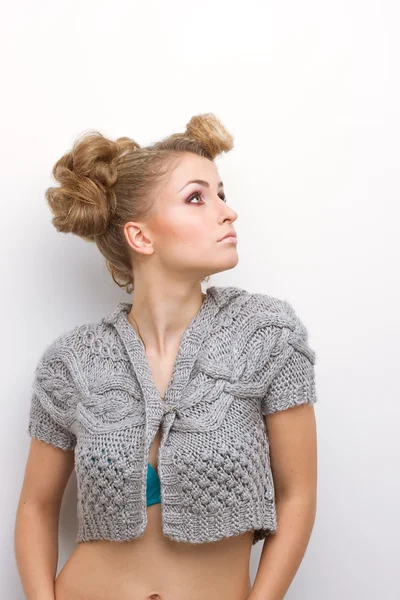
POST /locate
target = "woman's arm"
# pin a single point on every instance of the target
(293, 452)
(36, 526)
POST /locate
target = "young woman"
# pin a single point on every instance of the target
(173, 409)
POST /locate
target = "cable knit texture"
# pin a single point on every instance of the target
(243, 356)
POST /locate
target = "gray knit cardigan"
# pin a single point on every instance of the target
(243, 356)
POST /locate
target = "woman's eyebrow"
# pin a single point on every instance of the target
(201, 182)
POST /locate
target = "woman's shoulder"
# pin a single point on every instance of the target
(254, 303)
(74, 340)
(259, 319)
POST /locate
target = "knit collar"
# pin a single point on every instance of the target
(190, 344)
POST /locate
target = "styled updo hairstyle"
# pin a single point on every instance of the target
(104, 184)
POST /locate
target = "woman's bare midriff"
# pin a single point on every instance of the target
(154, 567)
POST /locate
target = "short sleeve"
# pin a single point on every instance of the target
(294, 382)
(52, 400)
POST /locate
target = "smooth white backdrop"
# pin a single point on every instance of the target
(310, 90)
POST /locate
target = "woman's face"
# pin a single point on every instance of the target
(187, 222)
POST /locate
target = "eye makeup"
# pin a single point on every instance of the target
(198, 194)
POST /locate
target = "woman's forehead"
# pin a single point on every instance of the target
(193, 167)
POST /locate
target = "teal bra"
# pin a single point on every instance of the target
(153, 486)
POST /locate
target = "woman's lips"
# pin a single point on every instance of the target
(230, 239)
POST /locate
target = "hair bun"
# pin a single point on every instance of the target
(210, 133)
(85, 200)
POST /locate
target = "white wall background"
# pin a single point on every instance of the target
(310, 91)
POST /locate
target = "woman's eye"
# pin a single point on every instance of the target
(197, 195)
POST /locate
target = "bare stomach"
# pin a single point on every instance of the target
(155, 567)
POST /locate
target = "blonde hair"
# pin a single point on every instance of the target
(105, 183)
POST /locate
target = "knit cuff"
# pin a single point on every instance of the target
(52, 399)
(294, 382)
(43, 427)
(292, 386)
